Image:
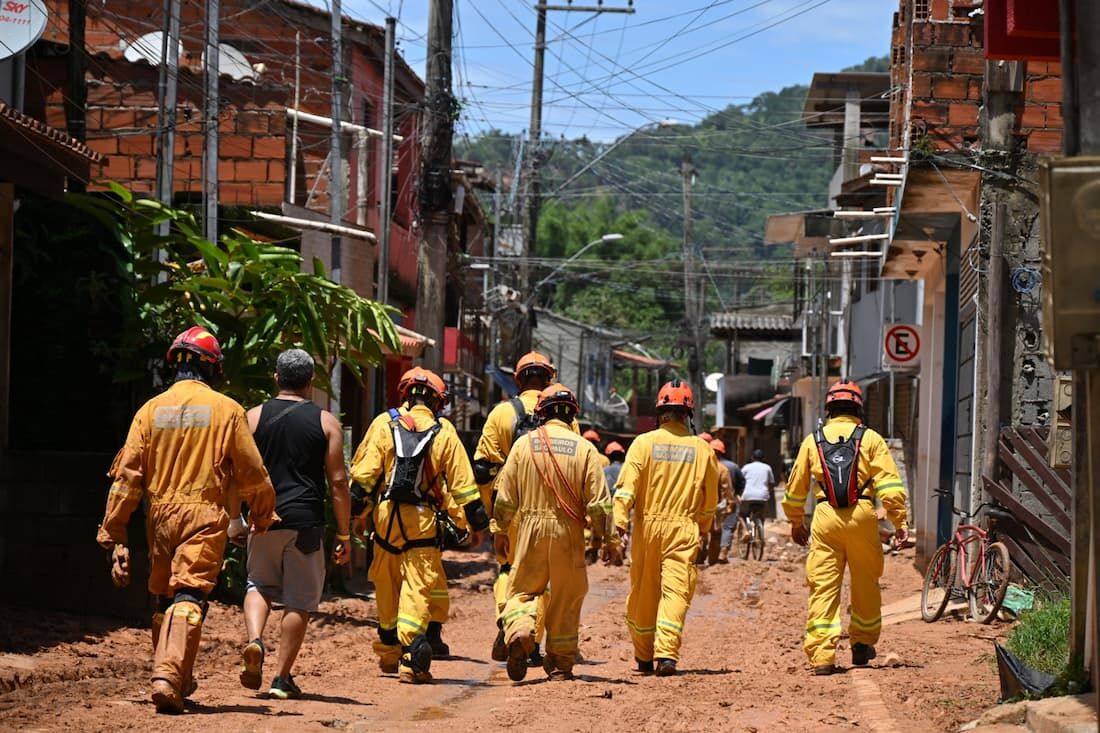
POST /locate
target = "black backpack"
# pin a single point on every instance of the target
(525, 421)
(410, 448)
(840, 468)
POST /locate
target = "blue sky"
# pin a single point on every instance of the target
(610, 73)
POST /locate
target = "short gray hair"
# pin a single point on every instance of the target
(293, 369)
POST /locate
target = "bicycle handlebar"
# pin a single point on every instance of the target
(971, 515)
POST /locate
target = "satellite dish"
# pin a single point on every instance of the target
(711, 381)
(147, 48)
(232, 62)
(21, 24)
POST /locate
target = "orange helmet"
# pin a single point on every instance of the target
(421, 381)
(718, 446)
(675, 394)
(844, 391)
(592, 435)
(556, 394)
(613, 447)
(535, 360)
(196, 340)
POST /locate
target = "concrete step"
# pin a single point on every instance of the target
(1069, 714)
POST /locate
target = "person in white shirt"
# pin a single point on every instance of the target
(759, 483)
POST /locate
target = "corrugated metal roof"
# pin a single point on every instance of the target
(747, 321)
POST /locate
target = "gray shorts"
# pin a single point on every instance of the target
(281, 573)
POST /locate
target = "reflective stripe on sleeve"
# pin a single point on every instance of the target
(466, 494)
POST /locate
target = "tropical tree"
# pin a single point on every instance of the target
(254, 296)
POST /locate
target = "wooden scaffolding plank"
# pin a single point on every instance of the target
(1038, 490)
(1038, 462)
(1025, 515)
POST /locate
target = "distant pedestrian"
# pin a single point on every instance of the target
(847, 466)
(301, 445)
(669, 483)
(612, 551)
(759, 487)
(185, 448)
(731, 483)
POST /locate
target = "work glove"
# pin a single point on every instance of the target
(120, 566)
(238, 531)
(799, 534)
(500, 544)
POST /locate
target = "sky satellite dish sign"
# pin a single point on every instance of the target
(21, 24)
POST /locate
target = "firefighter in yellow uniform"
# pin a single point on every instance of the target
(505, 423)
(844, 530)
(670, 481)
(186, 450)
(412, 466)
(550, 486)
(594, 438)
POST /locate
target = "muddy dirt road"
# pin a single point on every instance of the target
(743, 667)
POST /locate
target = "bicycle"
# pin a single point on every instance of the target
(968, 565)
(749, 535)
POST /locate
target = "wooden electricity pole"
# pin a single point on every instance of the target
(692, 306)
(337, 198)
(435, 195)
(210, 122)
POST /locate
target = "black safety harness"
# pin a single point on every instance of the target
(840, 468)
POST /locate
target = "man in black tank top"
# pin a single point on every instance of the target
(301, 445)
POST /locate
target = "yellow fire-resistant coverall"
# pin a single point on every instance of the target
(410, 587)
(185, 448)
(549, 540)
(494, 445)
(670, 480)
(844, 536)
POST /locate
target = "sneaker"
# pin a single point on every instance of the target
(862, 653)
(500, 648)
(825, 669)
(284, 688)
(645, 667)
(666, 667)
(519, 657)
(166, 698)
(252, 664)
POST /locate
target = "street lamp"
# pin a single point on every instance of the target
(615, 237)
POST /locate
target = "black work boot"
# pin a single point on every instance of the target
(862, 653)
(645, 667)
(535, 660)
(666, 667)
(440, 649)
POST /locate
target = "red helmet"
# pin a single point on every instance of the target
(675, 394)
(556, 394)
(422, 381)
(844, 391)
(706, 436)
(535, 360)
(613, 447)
(718, 446)
(196, 340)
(592, 435)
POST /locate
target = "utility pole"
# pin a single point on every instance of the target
(692, 309)
(435, 195)
(385, 197)
(535, 155)
(336, 194)
(167, 86)
(210, 127)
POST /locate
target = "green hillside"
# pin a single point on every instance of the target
(751, 160)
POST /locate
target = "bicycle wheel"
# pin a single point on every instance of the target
(743, 538)
(758, 539)
(939, 579)
(990, 584)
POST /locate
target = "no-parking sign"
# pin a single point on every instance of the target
(901, 346)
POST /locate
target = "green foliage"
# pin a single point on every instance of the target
(1041, 637)
(253, 296)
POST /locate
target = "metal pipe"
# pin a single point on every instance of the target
(348, 127)
(294, 119)
(319, 226)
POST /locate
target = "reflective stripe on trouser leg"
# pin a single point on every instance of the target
(529, 579)
(385, 573)
(824, 574)
(421, 569)
(568, 587)
(440, 605)
(865, 565)
(180, 632)
(678, 577)
(645, 592)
